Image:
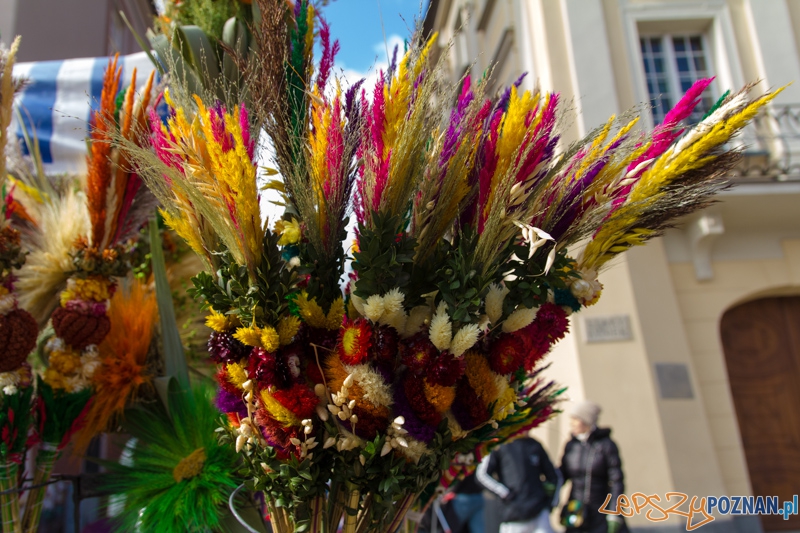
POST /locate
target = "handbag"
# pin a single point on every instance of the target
(573, 514)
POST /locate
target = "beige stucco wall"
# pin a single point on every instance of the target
(702, 306)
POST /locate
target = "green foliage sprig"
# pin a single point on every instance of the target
(232, 292)
(386, 256)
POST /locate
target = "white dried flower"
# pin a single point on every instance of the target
(417, 318)
(581, 289)
(374, 308)
(8, 390)
(494, 302)
(464, 339)
(54, 344)
(7, 303)
(9, 378)
(396, 319)
(519, 319)
(393, 301)
(441, 332)
(387, 447)
(358, 303)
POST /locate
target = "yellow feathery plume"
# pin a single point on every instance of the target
(288, 327)
(670, 166)
(623, 228)
(249, 336)
(335, 314)
(49, 264)
(595, 149)
(7, 87)
(219, 322)
(277, 411)
(237, 374)
(311, 312)
(270, 340)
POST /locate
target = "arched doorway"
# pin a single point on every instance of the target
(761, 340)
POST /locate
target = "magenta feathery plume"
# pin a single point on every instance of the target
(488, 168)
(160, 143)
(665, 133)
(244, 124)
(328, 55)
(377, 118)
(217, 115)
(335, 151)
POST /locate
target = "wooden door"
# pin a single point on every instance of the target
(761, 340)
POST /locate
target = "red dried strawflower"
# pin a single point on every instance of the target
(507, 354)
(299, 399)
(18, 331)
(79, 330)
(354, 342)
(446, 369)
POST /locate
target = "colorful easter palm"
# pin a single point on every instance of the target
(347, 405)
(18, 329)
(116, 206)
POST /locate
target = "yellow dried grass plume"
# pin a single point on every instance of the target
(61, 221)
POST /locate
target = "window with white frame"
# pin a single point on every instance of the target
(672, 63)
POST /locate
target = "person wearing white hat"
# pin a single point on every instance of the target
(591, 462)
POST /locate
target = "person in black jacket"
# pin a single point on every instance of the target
(591, 462)
(527, 484)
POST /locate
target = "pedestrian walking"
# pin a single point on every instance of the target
(521, 474)
(591, 463)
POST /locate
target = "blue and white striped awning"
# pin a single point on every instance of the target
(58, 102)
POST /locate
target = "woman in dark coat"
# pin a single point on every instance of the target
(591, 462)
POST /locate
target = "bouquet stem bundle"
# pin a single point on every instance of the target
(9, 500)
(46, 458)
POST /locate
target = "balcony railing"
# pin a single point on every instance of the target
(771, 146)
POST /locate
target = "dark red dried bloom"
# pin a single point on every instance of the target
(18, 332)
(446, 369)
(552, 321)
(368, 425)
(418, 352)
(468, 409)
(79, 330)
(277, 436)
(507, 353)
(223, 348)
(384, 344)
(414, 387)
(268, 369)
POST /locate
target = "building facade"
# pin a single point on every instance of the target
(694, 349)
(65, 29)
